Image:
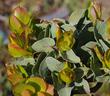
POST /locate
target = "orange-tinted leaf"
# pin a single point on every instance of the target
(98, 9)
(12, 39)
(26, 93)
(39, 81)
(22, 15)
(50, 89)
(15, 25)
(95, 11)
(43, 94)
(16, 51)
(22, 88)
(13, 75)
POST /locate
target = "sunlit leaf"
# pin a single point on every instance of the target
(13, 75)
(99, 54)
(39, 81)
(105, 47)
(67, 75)
(89, 46)
(44, 45)
(24, 61)
(23, 71)
(95, 11)
(43, 94)
(50, 89)
(68, 27)
(108, 29)
(21, 14)
(20, 89)
(72, 57)
(66, 41)
(86, 86)
(55, 31)
(66, 91)
(16, 51)
(76, 16)
(107, 58)
(15, 25)
(53, 64)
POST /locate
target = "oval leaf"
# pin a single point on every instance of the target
(53, 64)
(44, 45)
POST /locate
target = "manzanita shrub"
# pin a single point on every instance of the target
(60, 57)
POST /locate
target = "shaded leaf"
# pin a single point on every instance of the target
(24, 61)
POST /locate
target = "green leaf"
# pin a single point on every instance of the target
(18, 89)
(66, 91)
(72, 57)
(88, 46)
(17, 51)
(24, 61)
(39, 81)
(68, 27)
(101, 27)
(23, 70)
(42, 25)
(85, 85)
(37, 67)
(44, 45)
(76, 16)
(15, 25)
(22, 15)
(54, 29)
(53, 64)
(105, 47)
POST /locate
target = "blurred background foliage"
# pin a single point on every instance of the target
(45, 9)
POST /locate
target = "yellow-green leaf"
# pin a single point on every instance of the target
(15, 25)
(107, 58)
(13, 75)
(67, 75)
(19, 89)
(66, 41)
(108, 29)
(39, 81)
(22, 15)
(16, 51)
